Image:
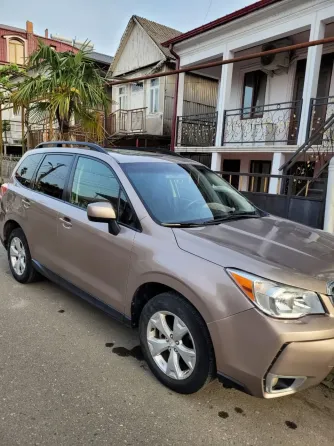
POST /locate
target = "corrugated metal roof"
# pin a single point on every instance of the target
(100, 57)
(159, 33)
(221, 21)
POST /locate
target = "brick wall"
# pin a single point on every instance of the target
(32, 42)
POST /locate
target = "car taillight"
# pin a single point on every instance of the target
(3, 189)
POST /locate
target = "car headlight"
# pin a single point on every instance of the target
(276, 299)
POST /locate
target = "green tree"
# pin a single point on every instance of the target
(5, 128)
(62, 87)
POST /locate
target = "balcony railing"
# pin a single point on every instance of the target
(126, 121)
(197, 130)
(267, 124)
(321, 109)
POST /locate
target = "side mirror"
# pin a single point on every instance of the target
(103, 212)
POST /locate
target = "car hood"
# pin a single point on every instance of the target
(270, 247)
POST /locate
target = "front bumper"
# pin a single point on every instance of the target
(251, 348)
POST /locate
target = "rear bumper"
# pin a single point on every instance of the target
(252, 348)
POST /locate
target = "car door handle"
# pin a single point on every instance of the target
(66, 222)
(26, 203)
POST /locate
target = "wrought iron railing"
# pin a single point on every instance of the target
(126, 121)
(197, 130)
(321, 109)
(267, 124)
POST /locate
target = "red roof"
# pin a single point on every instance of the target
(222, 21)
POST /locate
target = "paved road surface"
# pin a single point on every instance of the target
(64, 380)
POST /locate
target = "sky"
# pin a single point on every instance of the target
(103, 21)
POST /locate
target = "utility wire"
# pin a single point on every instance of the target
(207, 12)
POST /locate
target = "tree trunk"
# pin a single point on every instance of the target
(64, 126)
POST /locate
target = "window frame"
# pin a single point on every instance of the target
(33, 182)
(253, 114)
(21, 43)
(152, 91)
(69, 185)
(123, 96)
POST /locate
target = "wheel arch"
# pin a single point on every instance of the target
(158, 284)
(9, 226)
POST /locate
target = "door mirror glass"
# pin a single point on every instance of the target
(103, 212)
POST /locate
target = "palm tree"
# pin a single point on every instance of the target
(62, 87)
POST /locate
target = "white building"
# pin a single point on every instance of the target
(267, 108)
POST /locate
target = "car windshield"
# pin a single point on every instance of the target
(185, 193)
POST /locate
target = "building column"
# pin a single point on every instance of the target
(244, 168)
(278, 160)
(216, 161)
(224, 92)
(329, 208)
(179, 108)
(314, 55)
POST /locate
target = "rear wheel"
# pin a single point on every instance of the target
(19, 257)
(176, 343)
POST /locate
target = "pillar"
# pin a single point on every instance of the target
(278, 160)
(179, 109)
(329, 208)
(314, 55)
(216, 161)
(224, 92)
(244, 168)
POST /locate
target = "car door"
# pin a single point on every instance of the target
(42, 206)
(89, 256)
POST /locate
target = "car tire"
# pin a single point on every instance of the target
(187, 362)
(18, 248)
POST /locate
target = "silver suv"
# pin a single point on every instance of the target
(216, 286)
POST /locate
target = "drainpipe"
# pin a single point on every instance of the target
(176, 92)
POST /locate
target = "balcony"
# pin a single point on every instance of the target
(197, 130)
(264, 125)
(321, 109)
(126, 121)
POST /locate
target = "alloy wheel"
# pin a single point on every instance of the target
(171, 345)
(17, 256)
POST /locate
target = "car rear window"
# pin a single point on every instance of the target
(52, 174)
(26, 169)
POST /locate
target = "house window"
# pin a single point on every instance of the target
(154, 95)
(16, 51)
(53, 47)
(254, 93)
(139, 86)
(256, 183)
(122, 98)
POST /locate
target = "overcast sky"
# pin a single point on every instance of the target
(103, 21)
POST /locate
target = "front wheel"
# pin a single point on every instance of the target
(176, 343)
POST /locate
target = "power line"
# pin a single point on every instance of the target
(207, 12)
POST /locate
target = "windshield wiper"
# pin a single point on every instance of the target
(183, 225)
(232, 216)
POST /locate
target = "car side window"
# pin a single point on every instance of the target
(93, 182)
(26, 169)
(52, 174)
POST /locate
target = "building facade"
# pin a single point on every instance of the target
(268, 107)
(143, 110)
(16, 45)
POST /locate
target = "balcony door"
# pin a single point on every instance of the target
(137, 114)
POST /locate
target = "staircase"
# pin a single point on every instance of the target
(321, 143)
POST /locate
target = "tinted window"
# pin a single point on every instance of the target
(26, 169)
(52, 174)
(94, 182)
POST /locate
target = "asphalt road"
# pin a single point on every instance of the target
(70, 375)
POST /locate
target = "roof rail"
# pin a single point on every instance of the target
(147, 149)
(90, 145)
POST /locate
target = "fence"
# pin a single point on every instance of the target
(297, 198)
(7, 165)
(197, 130)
